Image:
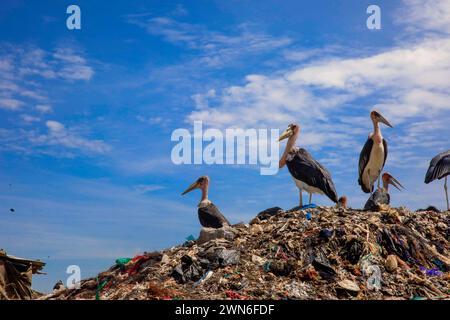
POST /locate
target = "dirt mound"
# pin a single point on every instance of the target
(317, 253)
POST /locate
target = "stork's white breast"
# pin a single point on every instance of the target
(375, 164)
(303, 186)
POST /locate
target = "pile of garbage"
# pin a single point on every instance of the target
(16, 276)
(312, 253)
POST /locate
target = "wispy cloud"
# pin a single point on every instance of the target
(44, 108)
(29, 119)
(151, 120)
(62, 63)
(24, 68)
(59, 135)
(146, 188)
(426, 15)
(10, 104)
(57, 141)
(25, 71)
(216, 48)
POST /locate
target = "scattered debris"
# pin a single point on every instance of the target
(16, 277)
(348, 285)
(208, 234)
(391, 263)
(266, 214)
(58, 286)
(187, 270)
(337, 254)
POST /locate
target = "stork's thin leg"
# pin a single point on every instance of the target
(370, 181)
(310, 198)
(446, 193)
(379, 178)
(301, 198)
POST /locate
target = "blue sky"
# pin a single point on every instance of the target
(86, 116)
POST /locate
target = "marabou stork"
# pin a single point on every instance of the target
(381, 195)
(308, 174)
(373, 155)
(208, 214)
(438, 169)
(342, 202)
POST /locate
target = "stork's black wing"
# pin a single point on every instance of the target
(385, 152)
(363, 160)
(211, 217)
(305, 168)
(439, 167)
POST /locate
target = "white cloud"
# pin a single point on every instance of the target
(151, 120)
(24, 69)
(426, 65)
(406, 79)
(60, 136)
(68, 55)
(10, 104)
(44, 108)
(58, 141)
(62, 63)
(304, 54)
(217, 49)
(54, 126)
(145, 188)
(429, 15)
(29, 119)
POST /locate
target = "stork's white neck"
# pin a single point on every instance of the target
(203, 203)
(205, 191)
(377, 132)
(289, 145)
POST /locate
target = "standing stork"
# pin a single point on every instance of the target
(382, 196)
(373, 155)
(438, 169)
(308, 174)
(208, 214)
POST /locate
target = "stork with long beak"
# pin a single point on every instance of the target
(439, 168)
(308, 174)
(208, 214)
(381, 195)
(373, 155)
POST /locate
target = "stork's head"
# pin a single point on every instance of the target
(388, 179)
(377, 118)
(342, 202)
(200, 183)
(292, 129)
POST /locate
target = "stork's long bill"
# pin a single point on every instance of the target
(195, 185)
(390, 180)
(202, 184)
(378, 117)
(286, 134)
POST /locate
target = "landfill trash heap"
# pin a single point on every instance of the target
(317, 253)
(16, 276)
